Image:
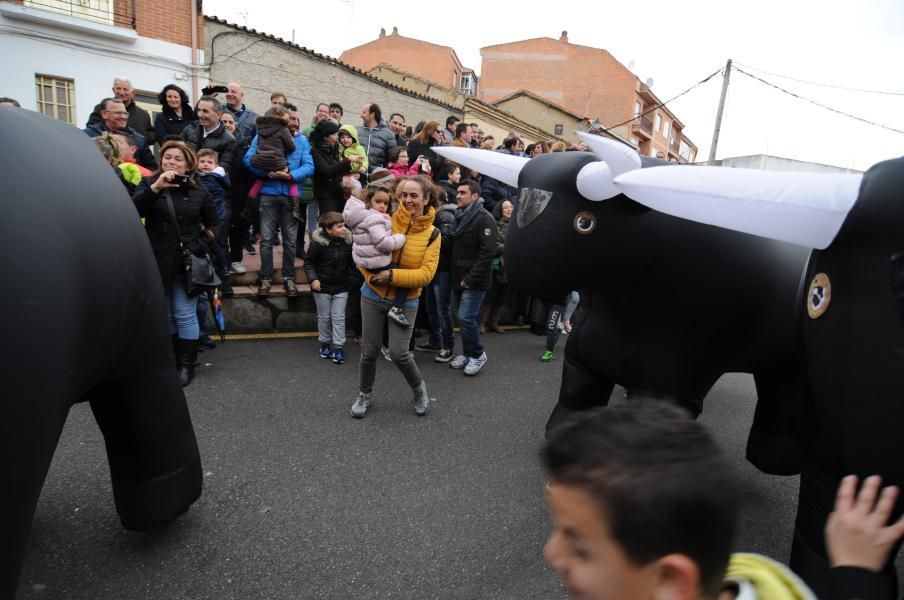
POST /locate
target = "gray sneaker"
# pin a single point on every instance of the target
(459, 362)
(421, 400)
(475, 364)
(359, 408)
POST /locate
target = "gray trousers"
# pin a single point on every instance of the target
(331, 318)
(373, 316)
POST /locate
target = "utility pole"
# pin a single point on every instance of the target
(712, 147)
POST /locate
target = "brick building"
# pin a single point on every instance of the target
(587, 81)
(67, 52)
(435, 63)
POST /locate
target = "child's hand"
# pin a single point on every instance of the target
(856, 533)
(315, 285)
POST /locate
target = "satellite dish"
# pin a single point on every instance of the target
(649, 82)
(630, 65)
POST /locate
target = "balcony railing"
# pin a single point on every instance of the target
(646, 124)
(674, 145)
(119, 13)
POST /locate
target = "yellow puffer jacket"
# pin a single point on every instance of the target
(417, 259)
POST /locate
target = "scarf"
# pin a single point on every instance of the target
(464, 216)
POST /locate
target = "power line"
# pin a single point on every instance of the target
(661, 104)
(827, 85)
(819, 104)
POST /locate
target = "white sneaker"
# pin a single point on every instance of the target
(459, 362)
(475, 364)
(238, 267)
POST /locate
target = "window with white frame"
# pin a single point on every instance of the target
(666, 127)
(100, 11)
(638, 108)
(55, 97)
(467, 84)
(657, 122)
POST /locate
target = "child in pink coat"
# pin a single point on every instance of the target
(373, 241)
(398, 164)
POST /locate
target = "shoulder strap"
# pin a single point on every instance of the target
(172, 214)
(433, 235)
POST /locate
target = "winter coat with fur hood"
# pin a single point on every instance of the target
(374, 241)
(329, 260)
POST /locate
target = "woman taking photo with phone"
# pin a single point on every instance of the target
(417, 261)
(194, 210)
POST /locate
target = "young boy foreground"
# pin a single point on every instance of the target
(645, 506)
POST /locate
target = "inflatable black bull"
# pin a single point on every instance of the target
(851, 314)
(84, 319)
(846, 320)
(667, 305)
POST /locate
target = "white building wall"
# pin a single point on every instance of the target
(90, 58)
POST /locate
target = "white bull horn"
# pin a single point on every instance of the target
(620, 157)
(594, 182)
(806, 209)
(498, 165)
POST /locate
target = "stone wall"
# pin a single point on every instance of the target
(262, 64)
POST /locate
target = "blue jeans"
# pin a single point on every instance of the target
(182, 311)
(469, 302)
(276, 211)
(441, 311)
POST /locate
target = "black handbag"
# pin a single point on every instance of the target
(200, 276)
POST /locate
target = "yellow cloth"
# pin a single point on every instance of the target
(417, 259)
(771, 579)
(130, 172)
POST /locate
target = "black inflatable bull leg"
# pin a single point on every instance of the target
(581, 388)
(85, 321)
(772, 444)
(154, 462)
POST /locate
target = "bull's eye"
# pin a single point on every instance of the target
(531, 203)
(584, 222)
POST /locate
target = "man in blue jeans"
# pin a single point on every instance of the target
(473, 249)
(276, 204)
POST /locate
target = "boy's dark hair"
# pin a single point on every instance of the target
(336, 105)
(509, 142)
(328, 219)
(290, 107)
(472, 185)
(209, 152)
(447, 169)
(661, 482)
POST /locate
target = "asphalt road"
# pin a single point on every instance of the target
(302, 501)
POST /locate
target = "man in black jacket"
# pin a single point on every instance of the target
(208, 132)
(112, 116)
(473, 249)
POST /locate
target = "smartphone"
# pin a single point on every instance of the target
(180, 180)
(215, 89)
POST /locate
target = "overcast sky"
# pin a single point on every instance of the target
(842, 43)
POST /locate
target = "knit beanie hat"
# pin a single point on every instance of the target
(381, 175)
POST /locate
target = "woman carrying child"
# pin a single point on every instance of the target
(329, 268)
(415, 264)
(329, 168)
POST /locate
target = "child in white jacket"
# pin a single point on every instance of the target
(373, 240)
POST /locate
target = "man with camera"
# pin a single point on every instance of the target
(208, 132)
